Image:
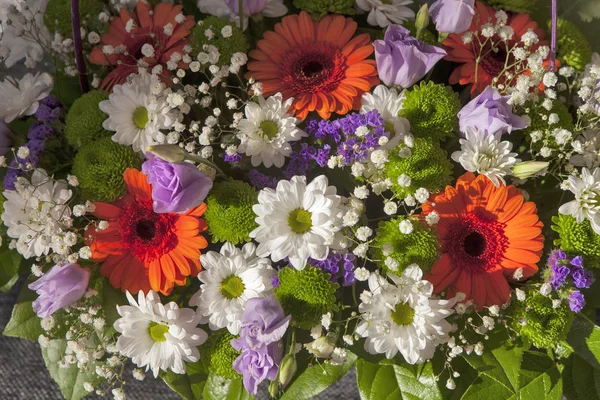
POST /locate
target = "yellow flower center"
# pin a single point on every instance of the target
(140, 117)
(300, 220)
(403, 314)
(269, 129)
(232, 287)
(158, 331)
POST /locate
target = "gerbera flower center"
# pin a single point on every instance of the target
(403, 314)
(140, 117)
(493, 56)
(315, 69)
(157, 331)
(269, 129)
(300, 221)
(145, 229)
(312, 68)
(474, 244)
(232, 287)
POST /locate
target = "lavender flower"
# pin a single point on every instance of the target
(260, 180)
(576, 301)
(59, 288)
(332, 263)
(558, 276)
(452, 16)
(48, 110)
(582, 278)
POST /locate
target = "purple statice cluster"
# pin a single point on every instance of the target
(263, 325)
(47, 113)
(300, 161)
(561, 268)
(355, 136)
(340, 266)
(261, 181)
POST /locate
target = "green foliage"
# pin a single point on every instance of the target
(217, 355)
(229, 212)
(58, 15)
(573, 47)
(319, 8)
(420, 247)
(227, 46)
(24, 323)
(306, 295)
(580, 380)
(428, 166)
(517, 6)
(584, 338)
(189, 385)
(218, 388)
(577, 238)
(83, 123)
(99, 166)
(9, 269)
(316, 379)
(432, 110)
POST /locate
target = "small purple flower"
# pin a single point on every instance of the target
(59, 288)
(176, 187)
(261, 181)
(577, 261)
(251, 7)
(232, 158)
(332, 265)
(275, 281)
(582, 278)
(48, 110)
(452, 16)
(576, 301)
(39, 131)
(403, 60)
(556, 258)
(558, 276)
(490, 112)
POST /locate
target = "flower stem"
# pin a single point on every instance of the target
(78, 45)
(554, 33)
(241, 12)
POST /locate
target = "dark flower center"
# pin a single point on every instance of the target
(145, 229)
(474, 244)
(312, 68)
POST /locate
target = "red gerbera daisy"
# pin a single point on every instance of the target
(141, 249)
(484, 59)
(164, 29)
(487, 233)
(318, 63)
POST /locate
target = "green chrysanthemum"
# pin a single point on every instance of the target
(217, 355)
(426, 35)
(306, 295)
(99, 166)
(427, 167)
(227, 46)
(420, 247)
(83, 123)
(577, 238)
(229, 212)
(319, 8)
(432, 110)
(58, 15)
(536, 319)
(517, 6)
(573, 47)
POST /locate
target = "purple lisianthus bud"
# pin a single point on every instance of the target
(251, 7)
(59, 288)
(176, 187)
(256, 365)
(403, 60)
(490, 112)
(452, 16)
(576, 301)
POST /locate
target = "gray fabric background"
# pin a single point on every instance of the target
(23, 375)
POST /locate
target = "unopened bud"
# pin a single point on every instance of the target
(287, 370)
(422, 19)
(274, 388)
(208, 171)
(527, 169)
(167, 152)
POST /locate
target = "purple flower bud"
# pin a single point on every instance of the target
(490, 112)
(576, 301)
(59, 288)
(452, 16)
(403, 60)
(577, 261)
(176, 187)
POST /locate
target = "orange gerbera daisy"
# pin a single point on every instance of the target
(141, 249)
(165, 29)
(318, 63)
(484, 59)
(487, 233)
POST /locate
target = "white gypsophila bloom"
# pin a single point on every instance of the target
(385, 12)
(402, 317)
(219, 8)
(486, 153)
(229, 279)
(388, 102)
(266, 131)
(36, 213)
(135, 114)
(587, 145)
(21, 100)
(298, 220)
(158, 336)
(587, 193)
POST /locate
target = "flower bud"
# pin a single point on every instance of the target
(527, 169)
(320, 347)
(167, 152)
(422, 19)
(287, 369)
(274, 388)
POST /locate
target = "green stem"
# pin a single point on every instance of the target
(241, 12)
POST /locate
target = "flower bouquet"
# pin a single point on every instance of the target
(259, 195)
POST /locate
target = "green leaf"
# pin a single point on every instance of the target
(219, 388)
(189, 385)
(386, 381)
(9, 269)
(316, 379)
(584, 337)
(540, 377)
(111, 298)
(585, 380)
(70, 380)
(24, 323)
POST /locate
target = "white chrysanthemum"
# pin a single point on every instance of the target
(385, 12)
(36, 212)
(587, 146)
(267, 130)
(136, 114)
(16, 102)
(486, 153)
(401, 317)
(229, 279)
(219, 8)
(388, 102)
(158, 336)
(587, 193)
(297, 220)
